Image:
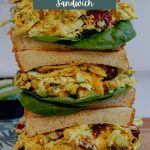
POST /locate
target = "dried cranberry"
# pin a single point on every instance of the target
(20, 126)
(135, 131)
(98, 128)
(101, 16)
(41, 14)
(112, 72)
(105, 88)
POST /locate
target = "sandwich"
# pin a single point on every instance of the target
(77, 86)
(69, 82)
(76, 100)
(71, 29)
(103, 129)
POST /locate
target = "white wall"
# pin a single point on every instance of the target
(138, 49)
(8, 65)
(138, 52)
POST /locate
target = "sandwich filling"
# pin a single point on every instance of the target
(74, 80)
(65, 23)
(82, 137)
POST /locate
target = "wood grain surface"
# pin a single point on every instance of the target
(145, 130)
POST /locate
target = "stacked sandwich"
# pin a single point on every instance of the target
(77, 85)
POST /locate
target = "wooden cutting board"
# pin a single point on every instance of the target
(145, 130)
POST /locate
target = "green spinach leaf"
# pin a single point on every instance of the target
(110, 39)
(44, 108)
(62, 105)
(48, 38)
(105, 40)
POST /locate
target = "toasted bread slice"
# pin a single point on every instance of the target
(30, 59)
(25, 43)
(36, 124)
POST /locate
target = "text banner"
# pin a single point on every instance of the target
(74, 4)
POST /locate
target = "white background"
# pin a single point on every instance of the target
(138, 52)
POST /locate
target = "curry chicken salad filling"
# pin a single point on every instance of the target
(82, 137)
(74, 80)
(65, 23)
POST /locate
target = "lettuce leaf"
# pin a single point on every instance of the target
(48, 38)
(109, 39)
(63, 105)
(44, 108)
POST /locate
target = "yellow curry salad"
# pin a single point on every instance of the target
(75, 80)
(82, 137)
(65, 23)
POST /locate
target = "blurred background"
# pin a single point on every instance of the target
(138, 53)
